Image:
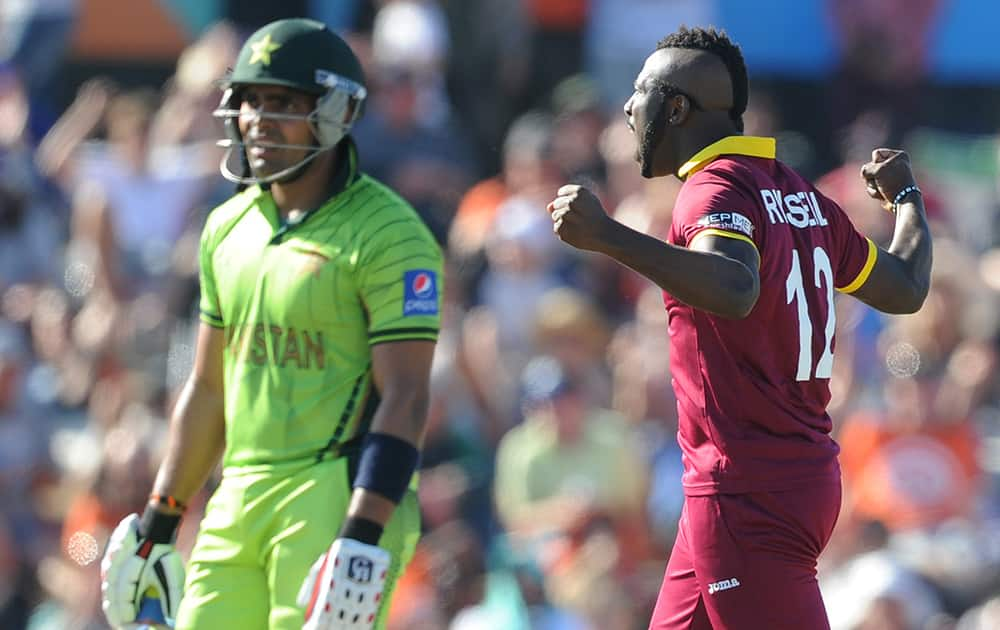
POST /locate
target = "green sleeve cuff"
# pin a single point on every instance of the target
(212, 319)
(402, 334)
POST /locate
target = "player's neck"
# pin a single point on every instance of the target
(310, 190)
(702, 137)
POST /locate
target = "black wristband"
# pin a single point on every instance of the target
(361, 529)
(386, 465)
(157, 527)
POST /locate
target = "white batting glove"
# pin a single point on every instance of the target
(344, 587)
(131, 566)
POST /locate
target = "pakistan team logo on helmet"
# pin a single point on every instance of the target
(303, 55)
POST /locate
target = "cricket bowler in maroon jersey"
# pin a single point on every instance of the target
(750, 268)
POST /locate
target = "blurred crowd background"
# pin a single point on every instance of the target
(551, 473)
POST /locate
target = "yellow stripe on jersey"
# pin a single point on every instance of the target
(866, 270)
(725, 234)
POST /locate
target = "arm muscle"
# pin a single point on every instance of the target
(197, 426)
(402, 377)
(717, 274)
(900, 279)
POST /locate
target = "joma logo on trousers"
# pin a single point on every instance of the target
(723, 585)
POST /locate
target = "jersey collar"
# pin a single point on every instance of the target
(347, 170)
(345, 175)
(752, 146)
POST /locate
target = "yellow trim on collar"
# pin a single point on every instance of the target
(753, 146)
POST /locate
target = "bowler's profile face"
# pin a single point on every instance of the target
(645, 114)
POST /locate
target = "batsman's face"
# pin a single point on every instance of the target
(275, 115)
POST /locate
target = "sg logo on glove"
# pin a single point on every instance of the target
(359, 569)
(344, 587)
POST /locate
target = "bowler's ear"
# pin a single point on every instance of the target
(678, 109)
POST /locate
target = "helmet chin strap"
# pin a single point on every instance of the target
(283, 176)
(326, 135)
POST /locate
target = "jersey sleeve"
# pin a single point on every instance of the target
(401, 281)
(715, 203)
(855, 254)
(208, 305)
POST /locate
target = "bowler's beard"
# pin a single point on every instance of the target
(652, 134)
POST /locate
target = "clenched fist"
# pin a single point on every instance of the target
(886, 175)
(579, 218)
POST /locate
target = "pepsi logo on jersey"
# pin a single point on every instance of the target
(420, 293)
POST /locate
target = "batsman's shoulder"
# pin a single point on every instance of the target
(223, 217)
(389, 220)
(379, 197)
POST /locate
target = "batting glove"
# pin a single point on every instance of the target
(344, 587)
(131, 566)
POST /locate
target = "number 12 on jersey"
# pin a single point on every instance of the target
(795, 291)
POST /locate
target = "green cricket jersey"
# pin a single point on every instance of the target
(303, 304)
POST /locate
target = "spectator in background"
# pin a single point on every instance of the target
(417, 146)
(570, 328)
(981, 617)
(488, 66)
(148, 189)
(117, 484)
(875, 591)
(620, 34)
(897, 34)
(34, 37)
(522, 266)
(527, 170)
(556, 32)
(579, 121)
(517, 597)
(870, 128)
(569, 469)
(340, 16)
(14, 606)
(456, 462)
(24, 462)
(915, 465)
(249, 16)
(522, 262)
(637, 356)
(192, 91)
(30, 230)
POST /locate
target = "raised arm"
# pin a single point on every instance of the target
(716, 274)
(55, 152)
(900, 279)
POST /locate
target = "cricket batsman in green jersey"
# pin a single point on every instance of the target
(320, 300)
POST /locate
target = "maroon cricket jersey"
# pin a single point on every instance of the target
(752, 393)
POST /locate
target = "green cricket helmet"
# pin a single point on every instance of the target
(303, 55)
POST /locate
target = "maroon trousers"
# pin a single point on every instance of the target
(748, 562)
